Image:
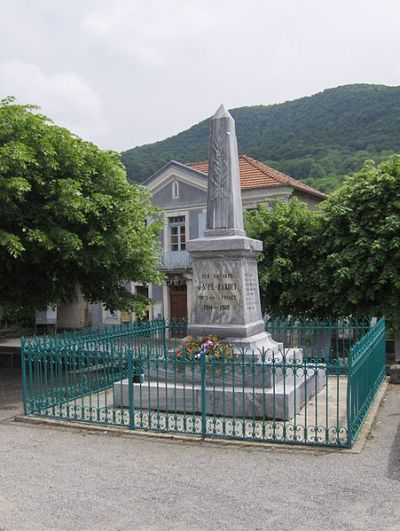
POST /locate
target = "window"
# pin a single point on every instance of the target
(175, 190)
(178, 233)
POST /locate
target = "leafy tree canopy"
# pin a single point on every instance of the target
(343, 260)
(288, 232)
(358, 263)
(68, 218)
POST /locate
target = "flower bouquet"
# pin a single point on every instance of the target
(210, 346)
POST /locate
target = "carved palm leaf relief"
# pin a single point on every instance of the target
(219, 175)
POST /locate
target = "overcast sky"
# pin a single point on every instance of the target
(127, 72)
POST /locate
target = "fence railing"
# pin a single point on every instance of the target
(315, 388)
(366, 373)
(101, 337)
(324, 339)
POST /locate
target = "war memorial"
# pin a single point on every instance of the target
(228, 372)
(226, 303)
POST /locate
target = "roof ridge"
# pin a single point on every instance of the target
(196, 162)
(267, 169)
(278, 177)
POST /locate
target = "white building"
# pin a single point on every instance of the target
(181, 191)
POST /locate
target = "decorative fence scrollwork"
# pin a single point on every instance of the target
(131, 376)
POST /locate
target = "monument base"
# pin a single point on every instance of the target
(225, 331)
(277, 389)
(281, 402)
(261, 345)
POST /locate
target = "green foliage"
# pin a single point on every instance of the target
(343, 260)
(325, 184)
(15, 317)
(288, 232)
(322, 137)
(68, 218)
(358, 266)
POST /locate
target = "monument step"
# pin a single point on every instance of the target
(245, 372)
(237, 376)
(281, 402)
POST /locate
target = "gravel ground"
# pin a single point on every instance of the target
(56, 478)
(10, 395)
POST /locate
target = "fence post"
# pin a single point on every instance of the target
(396, 338)
(349, 397)
(203, 393)
(23, 368)
(130, 390)
(164, 336)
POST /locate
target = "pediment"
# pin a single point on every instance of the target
(175, 171)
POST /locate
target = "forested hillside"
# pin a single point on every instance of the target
(317, 139)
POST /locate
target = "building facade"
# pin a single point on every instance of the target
(180, 190)
(79, 313)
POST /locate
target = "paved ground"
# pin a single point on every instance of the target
(52, 478)
(10, 342)
(10, 395)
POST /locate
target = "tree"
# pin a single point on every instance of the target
(358, 262)
(68, 218)
(344, 260)
(289, 235)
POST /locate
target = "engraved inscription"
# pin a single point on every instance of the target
(225, 292)
(251, 285)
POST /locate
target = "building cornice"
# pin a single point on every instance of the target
(175, 170)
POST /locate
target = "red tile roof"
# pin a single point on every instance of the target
(255, 174)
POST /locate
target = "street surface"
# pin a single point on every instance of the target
(64, 478)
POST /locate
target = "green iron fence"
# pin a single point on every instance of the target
(367, 364)
(315, 388)
(329, 340)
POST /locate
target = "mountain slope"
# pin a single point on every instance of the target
(317, 139)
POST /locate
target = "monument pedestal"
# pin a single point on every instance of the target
(261, 345)
(226, 297)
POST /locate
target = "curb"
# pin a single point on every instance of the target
(370, 419)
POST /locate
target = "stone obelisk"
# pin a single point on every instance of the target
(226, 302)
(225, 294)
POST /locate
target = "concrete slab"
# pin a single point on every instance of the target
(280, 402)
